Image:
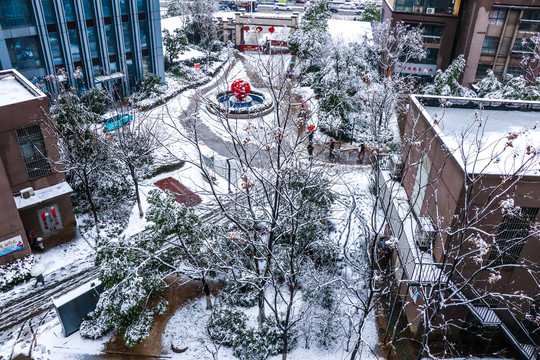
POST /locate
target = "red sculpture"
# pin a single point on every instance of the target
(240, 88)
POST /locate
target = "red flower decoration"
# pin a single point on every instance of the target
(240, 88)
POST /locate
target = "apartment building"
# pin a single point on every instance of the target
(439, 20)
(34, 195)
(464, 215)
(113, 42)
(491, 34)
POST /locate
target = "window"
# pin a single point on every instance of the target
(107, 8)
(88, 10)
(431, 34)
(497, 16)
(512, 235)
(141, 6)
(74, 45)
(530, 22)
(33, 151)
(490, 45)
(523, 45)
(48, 10)
(69, 10)
(16, 13)
(144, 34)
(92, 40)
(481, 70)
(54, 40)
(49, 219)
(24, 52)
(111, 40)
(420, 184)
(516, 71)
(126, 29)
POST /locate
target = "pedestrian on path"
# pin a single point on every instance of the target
(310, 150)
(331, 147)
(361, 153)
(38, 279)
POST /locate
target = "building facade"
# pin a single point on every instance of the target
(464, 214)
(493, 35)
(34, 195)
(438, 19)
(112, 42)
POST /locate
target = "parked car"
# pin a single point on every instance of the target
(114, 122)
(347, 6)
(282, 7)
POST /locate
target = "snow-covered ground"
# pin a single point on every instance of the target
(349, 182)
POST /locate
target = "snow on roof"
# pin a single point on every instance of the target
(488, 140)
(348, 31)
(42, 195)
(61, 300)
(13, 89)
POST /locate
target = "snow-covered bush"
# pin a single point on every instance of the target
(264, 341)
(139, 330)
(227, 326)
(236, 293)
(446, 83)
(16, 272)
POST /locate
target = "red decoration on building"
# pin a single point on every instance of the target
(240, 88)
(246, 28)
(259, 29)
(44, 219)
(311, 127)
(53, 212)
(271, 30)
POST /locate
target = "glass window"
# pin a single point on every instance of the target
(497, 16)
(516, 71)
(530, 22)
(24, 52)
(490, 45)
(92, 40)
(69, 10)
(512, 235)
(114, 67)
(16, 13)
(141, 6)
(123, 7)
(126, 27)
(48, 11)
(111, 41)
(75, 46)
(523, 45)
(54, 40)
(481, 70)
(144, 34)
(107, 8)
(33, 151)
(146, 64)
(88, 10)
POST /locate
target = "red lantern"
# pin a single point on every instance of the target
(246, 28)
(53, 212)
(271, 30)
(259, 29)
(44, 219)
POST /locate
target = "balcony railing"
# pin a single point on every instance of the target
(418, 265)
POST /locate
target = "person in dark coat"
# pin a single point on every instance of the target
(331, 146)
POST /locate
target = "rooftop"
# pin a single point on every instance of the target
(487, 136)
(14, 88)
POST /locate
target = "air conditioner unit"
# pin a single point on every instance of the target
(425, 233)
(27, 192)
(430, 11)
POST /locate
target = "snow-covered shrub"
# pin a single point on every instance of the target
(161, 307)
(139, 330)
(16, 272)
(94, 327)
(227, 326)
(236, 293)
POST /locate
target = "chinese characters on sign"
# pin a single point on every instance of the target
(11, 245)
(418, 69)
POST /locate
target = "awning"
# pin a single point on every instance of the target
(113, 76)
(42, 195)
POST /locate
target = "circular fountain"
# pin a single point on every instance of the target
(242, 102)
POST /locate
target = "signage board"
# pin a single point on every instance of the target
(11, 245)
(417, 69)
(278, 43)
(250, 48)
